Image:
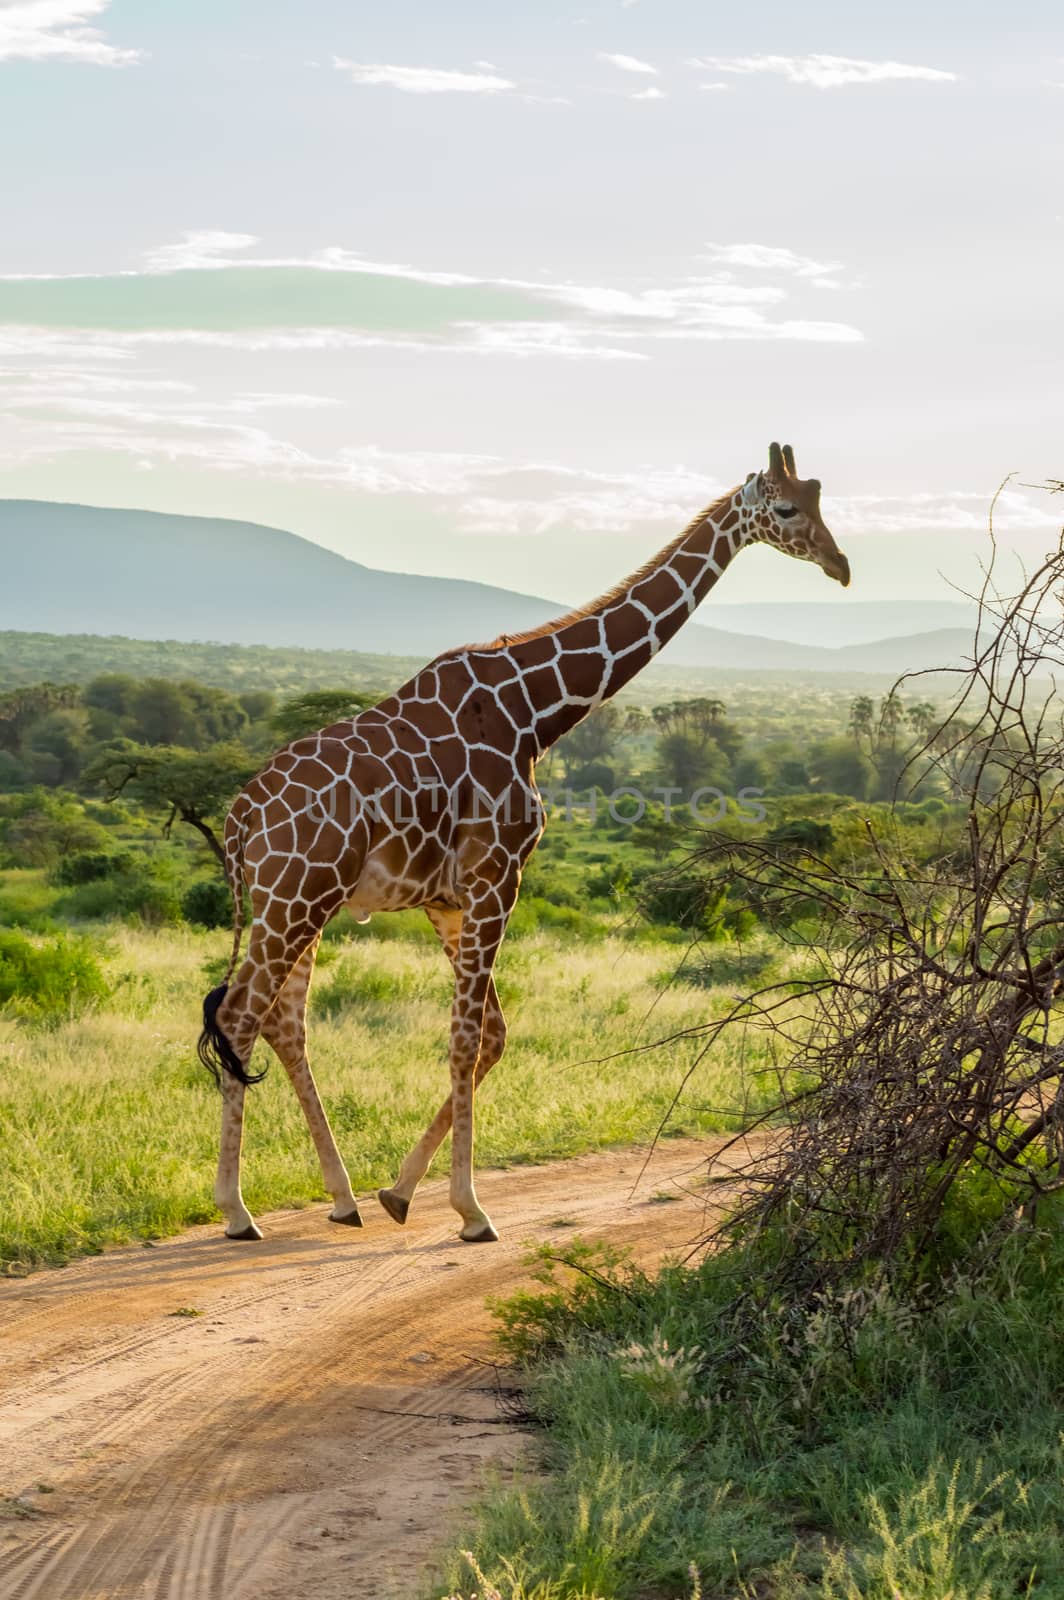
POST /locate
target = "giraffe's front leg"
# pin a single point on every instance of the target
(396, 1200)
(482, 929)
(239, 1223)
(477, 1227)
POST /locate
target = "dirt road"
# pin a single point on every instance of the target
(202, 1420)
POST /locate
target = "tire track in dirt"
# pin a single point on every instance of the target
(314, 1428)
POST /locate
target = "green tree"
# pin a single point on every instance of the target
(112, 693)
(697, 744)
(191, 715)
(318, 708)
(592, 741)
(21, 708)
(686, 763)
(193, 786)
(862, 722)
(839, 767)
(258, 703)
(55, 745)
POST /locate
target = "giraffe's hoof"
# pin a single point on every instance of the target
(350, 1219)
(250, 1232)
(396, 1207)
(479, 1233)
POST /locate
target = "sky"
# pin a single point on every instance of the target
(509, 292)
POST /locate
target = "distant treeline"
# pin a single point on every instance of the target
(92, 735)
(28, 658)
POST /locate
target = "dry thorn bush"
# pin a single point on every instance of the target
(920, 1041)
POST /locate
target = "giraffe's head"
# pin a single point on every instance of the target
(786, 513)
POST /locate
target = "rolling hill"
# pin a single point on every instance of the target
(148, 575)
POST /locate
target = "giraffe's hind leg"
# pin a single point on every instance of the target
(239, 1021)
(285, 1030)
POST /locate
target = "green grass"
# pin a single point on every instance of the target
(109, 1126)
(876, 1450)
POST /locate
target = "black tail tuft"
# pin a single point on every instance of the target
(214, 1049)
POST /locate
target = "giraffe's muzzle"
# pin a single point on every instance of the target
(838, 567)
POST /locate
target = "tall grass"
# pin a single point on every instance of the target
(872, 1450)
(108, 1125)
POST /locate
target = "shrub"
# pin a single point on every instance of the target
(596, 775)
(12, 771)
(692, 902)
(532, 913)
(38, 829)
(802, 833)
(208, 903)
(545, 882)
(46, 983)
(87, 866)
(612, 883)
(139, 891)
(26, 902)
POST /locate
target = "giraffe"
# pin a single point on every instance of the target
(429, 800)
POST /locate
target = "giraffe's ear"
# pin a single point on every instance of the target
(752, 488)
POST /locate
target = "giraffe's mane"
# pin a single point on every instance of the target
(604, 601)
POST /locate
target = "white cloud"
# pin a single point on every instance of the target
(714, 88)
(200, 249)
(944, 511)
(653, 93)
(822, 71)
(627, 63)
(558, 339)
(700, 308)
(709, 306)
(543, 339)
(422, 80)
(58, 30)
(585, 501)
(694, 301)
(769, 258)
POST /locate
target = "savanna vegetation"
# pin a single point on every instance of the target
(111, 902)
(827, 914)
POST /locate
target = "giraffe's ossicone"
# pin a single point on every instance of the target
(429, 799)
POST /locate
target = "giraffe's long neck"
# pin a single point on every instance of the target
(601, 648)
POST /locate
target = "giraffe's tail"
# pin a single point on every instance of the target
(214, 1049)
(234, 877)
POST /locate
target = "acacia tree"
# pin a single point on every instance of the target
(317, 708)
(192, 786)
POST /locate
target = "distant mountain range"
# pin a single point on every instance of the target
(846, 621)
(147, 575)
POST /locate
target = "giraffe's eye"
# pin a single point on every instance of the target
(786, 511)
